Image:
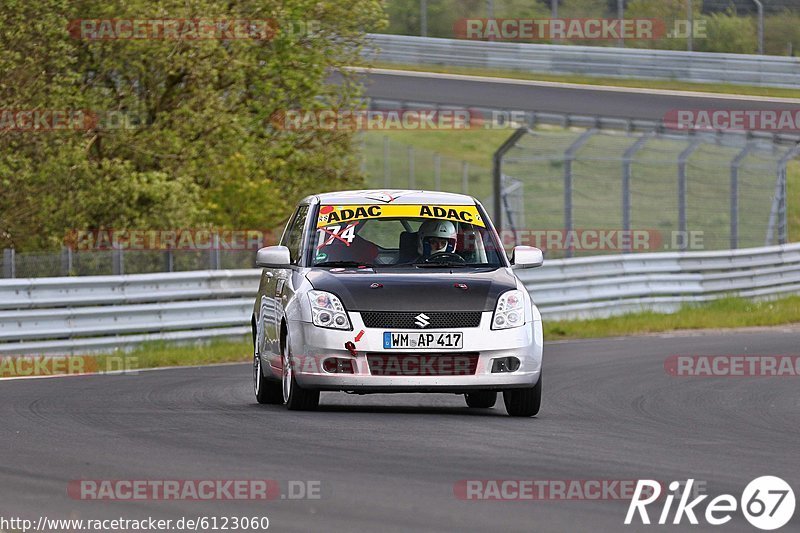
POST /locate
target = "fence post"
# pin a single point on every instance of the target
(737, 162)
(497, 175)
(169, 261)
(117, 262)
(569, 157)
(411, 177)
(9, 268)
(777, 214)
(682, 160)
(66, 260)
(386, 167)
(213, 253)
(627, 161)
(783, 225)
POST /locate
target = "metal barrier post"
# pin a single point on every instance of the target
(66, 260)
(117, 262)
(737, 162)
(627, 162)
(682, 160)
(497, 174)
(569, 157)
(777, 214)
(9, 270)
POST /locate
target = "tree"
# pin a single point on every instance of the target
(197, 147)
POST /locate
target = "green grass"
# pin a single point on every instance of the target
(163, 354)
(675, 85)
(720, 314)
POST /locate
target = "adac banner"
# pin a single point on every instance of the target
(335, 214)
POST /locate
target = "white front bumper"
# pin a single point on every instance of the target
(311, 345)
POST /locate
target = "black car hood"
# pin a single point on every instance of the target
(415, 290)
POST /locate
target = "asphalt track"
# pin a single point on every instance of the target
(389, 462)
(614, 102)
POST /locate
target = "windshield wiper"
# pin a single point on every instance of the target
(343, 264)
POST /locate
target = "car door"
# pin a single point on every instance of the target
(293, 240)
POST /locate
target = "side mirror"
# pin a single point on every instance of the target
(526, 257)
(273, 257)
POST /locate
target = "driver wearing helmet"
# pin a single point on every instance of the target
(435, 237)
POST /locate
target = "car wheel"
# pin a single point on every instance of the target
(295, 397)
(482, 399)
(267, 390)
(524, 402)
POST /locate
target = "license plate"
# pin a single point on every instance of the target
(414, 340)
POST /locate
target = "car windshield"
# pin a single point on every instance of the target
(410, 236)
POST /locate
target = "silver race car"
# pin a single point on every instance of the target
(395, 291)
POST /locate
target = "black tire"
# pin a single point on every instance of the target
(302, 399)
(524, 402)
(484, 399)
(267, 391)
(297, 399)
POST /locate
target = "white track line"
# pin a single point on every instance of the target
(579, 86)
(131, 372)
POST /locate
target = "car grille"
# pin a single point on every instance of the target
(407, 320)
(428, 364)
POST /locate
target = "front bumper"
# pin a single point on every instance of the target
(311, 345)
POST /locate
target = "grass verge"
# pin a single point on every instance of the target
(720, 314)
(163, 354)
(672, 85)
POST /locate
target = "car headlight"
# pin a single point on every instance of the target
(327, 311)
(509, 312)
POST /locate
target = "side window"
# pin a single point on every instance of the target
(293, 236)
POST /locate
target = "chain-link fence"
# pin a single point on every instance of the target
(389, 164)
(68, 262)
(703, 191)
(576, 185)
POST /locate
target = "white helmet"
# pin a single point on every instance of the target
(436, 229)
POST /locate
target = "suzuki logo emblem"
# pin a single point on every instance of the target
(422, 320)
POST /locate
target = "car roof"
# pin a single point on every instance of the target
(394, 196)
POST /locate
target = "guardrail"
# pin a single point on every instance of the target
(104, 313)
(766, 71)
